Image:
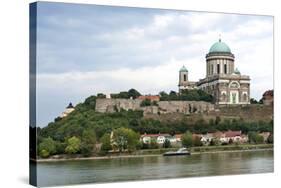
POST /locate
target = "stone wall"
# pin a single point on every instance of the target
(185, 107)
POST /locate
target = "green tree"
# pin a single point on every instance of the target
(187, 139)
(105, 141)
(47, 147)
(88, 142)
(101, 96)
(125, 139)
(73, 145)
(134, 93)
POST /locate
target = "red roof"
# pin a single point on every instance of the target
(268, 93)
(232, 133)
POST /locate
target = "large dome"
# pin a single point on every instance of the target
(219, 47)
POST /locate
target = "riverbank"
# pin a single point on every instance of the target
(159, 152)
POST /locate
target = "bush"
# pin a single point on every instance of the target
(145, 102)
(47, 147)
(187, 139)
(73, 145)
(167, 143)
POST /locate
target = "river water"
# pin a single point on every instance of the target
(157, 167)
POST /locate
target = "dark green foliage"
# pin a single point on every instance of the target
(186, 95)
(132, 93)
(167, 143)
(101, 96)
(255, 138)
(145, 102)
(253, 101)
(270, 139)
(88, 142)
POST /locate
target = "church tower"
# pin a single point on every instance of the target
(183, 79)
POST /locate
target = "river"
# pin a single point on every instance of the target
(156, 167)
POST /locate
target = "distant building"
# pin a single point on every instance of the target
(70, 108)
(149, 97)
(267, 97)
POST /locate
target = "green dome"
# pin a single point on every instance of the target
(220, 47)
(183, 69)
(236, 71)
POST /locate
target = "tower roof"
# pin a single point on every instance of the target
(236, 71)
(183, 69)
(70, 105)
(220, 47)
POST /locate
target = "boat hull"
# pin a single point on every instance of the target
(175, 154)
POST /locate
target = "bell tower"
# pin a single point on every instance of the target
(183, 79)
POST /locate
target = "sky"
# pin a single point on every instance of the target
(83, 50)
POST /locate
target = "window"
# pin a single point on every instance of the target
(225, 69)
(245, 97)
(218, 68)
(212, 69)
(184, 77)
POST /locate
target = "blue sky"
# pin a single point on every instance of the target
(86, 49)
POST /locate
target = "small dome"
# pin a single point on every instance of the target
(236, 71)
(220, 47)
(183, 69)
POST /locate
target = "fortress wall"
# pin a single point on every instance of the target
(185, 107)
(110, 105)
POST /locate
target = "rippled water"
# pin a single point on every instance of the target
(126, 169)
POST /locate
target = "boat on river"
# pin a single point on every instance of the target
(181, 151)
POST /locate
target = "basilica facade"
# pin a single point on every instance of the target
(223, 81)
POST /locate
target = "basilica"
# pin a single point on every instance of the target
(223, 81)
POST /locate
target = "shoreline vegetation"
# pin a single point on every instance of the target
(159, 152)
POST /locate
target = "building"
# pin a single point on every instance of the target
(223, 81)
(184, 83)
(70, 108)
(267, 97)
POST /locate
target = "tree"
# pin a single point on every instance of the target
(105, 141)
(255, 138)
(145, 102)
(125, 139)
(101, 96)
(253, 101)
(91, 101)
(270, 139)
(47, 147)
(133, 93)
(73, 145)
(166, 143)
(187, 139)
(88, 142)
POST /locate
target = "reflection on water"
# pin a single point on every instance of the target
(124, 169)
